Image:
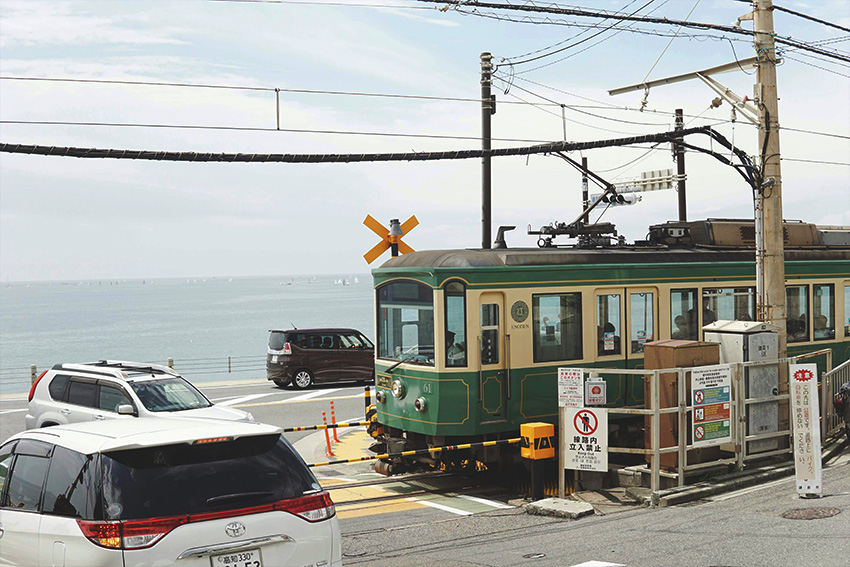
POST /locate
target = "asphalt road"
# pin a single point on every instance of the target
(741, 529)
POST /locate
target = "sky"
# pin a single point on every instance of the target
(69, 219)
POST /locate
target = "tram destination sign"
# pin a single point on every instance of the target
(711, 388)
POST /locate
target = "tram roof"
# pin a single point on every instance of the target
(478, 258)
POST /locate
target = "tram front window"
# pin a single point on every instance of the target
(406, 322)
(556, 320)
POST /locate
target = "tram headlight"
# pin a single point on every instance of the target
(420, 404)
(398, 389)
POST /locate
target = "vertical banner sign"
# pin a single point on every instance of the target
(711, 391)
(570, 388)
(806, 422)
(586, 446)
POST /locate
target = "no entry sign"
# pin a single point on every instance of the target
(586, 439)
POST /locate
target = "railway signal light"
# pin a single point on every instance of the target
(618, 199)
(390, 238)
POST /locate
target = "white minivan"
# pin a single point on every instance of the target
(187, 492)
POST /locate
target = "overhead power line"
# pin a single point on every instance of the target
(580, 12)
(155, 155)
(812, 18)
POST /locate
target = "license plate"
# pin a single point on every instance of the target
(274, 358)
(247, 558)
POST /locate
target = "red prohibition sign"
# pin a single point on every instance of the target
(585, 422)
(699, 396)
(699, 432)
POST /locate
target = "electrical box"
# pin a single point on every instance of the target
(538, 441)
(750, 341)
(672, 353)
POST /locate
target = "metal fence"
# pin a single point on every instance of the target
(744, 446)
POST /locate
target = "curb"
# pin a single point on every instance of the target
(734, 481)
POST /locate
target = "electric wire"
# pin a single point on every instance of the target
(258, 129)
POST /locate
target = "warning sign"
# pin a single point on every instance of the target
(595, 393)
(570, 392)
(806, 419)
(586, 442)
(712, 394)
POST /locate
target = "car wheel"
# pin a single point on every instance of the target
(281, 383)
(303, 379)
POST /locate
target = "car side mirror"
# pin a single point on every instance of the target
(126, 409)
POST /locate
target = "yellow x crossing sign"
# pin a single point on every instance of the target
(390, 238)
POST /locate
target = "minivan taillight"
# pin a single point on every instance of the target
(34, 384)
(286, 349)
(139, 534)
(313, 508)
(129, 534)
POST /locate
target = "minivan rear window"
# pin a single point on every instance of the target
(276, 340)
(191, 479)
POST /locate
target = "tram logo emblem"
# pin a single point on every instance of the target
(519, 311)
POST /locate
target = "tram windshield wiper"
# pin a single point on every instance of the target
(400, 362)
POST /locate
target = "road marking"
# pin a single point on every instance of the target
(12, 411)
(309, 396)
(240, 399)
(599, 564)
(748, 490)
(486, 502)
(440, 507)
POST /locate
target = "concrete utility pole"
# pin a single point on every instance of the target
(488, 105)
(772, 297)
(679, 151)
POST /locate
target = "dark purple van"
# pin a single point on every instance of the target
(303, 357)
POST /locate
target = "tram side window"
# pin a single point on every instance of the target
(823, 312)
(642, 322)
(406, 322)
(796, 313)
(557, 333)
(728, 304)
(455, 324)
(608, 324)
(683, 314)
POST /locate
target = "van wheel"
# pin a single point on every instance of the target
(303, 379)
(281, 383)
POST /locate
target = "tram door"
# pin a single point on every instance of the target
(492, 365)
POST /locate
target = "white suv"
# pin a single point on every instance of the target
(188, 492)
(109, 389)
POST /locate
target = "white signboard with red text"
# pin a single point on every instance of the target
(570, 388)
(805, 418)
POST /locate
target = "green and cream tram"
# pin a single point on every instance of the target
(469, 341)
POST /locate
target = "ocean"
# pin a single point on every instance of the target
(199, 322)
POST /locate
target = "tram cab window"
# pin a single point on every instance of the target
(641, 317)
(556, 322)
(406, 322)
(683, 321)
(796, 313)
(608, 324)
(823, 312)
(847, 310)
(728, 304)
(455, 324)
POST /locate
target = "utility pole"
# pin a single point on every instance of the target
(488, 108)
(679, 153)
(772, 297)
(585, 198)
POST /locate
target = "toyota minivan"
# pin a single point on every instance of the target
(162, 491)
(302, 357)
